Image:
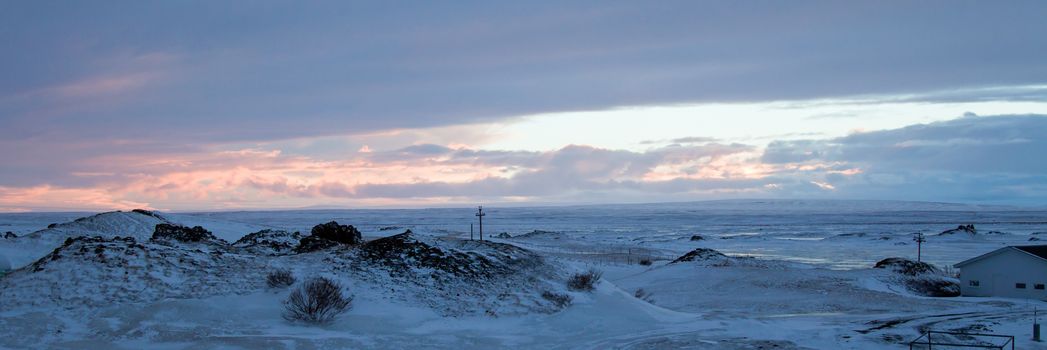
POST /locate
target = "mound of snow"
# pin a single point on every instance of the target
(269, 242)
(456, 277)
(711, 258)
(139, 224)
(919, 277)
(89, 272)
(451, 277)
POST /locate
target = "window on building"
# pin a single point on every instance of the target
(1038, 286)
(973, 283)
(1019, 285)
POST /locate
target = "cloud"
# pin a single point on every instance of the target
(268, 178)
(338, 68)
(965, 159)
(999, 144)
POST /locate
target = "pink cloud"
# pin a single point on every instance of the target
(267, 178)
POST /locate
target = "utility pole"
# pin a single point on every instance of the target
(919, 245)
(480, 214)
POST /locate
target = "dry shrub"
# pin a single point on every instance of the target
(561, 300)
(584, 281)
(318, 301)
(280, 279)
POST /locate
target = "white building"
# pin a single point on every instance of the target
(1012, 272)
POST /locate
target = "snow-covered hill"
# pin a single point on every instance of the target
(765, 278)
(449, 276)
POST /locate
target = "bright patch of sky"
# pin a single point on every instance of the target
(639, 128)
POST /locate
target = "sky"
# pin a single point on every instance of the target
(204, 105)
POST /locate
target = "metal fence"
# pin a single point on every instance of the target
(928, 340)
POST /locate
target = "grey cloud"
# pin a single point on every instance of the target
(995, 158)
(286, 70)
(795, 151)
(1003, 144)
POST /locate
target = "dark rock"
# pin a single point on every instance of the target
(697, 238)
(968, 229)
(390, 228)
(182, 233)
(504, 235)
(332, 231)
(269, 242)
(313, 243)
(404, 251)
(10, 235)
(84, 243)
(148, 213)
(329, 235)
(52, 225)
(701, 255)
(540, 234)
(1034, 239)
(907, 267)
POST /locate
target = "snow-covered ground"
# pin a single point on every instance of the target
(808, 284)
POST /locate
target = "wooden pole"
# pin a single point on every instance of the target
(919, 246)
(480, 214)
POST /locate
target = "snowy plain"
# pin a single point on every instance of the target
(809, 286)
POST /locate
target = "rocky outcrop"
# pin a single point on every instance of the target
(540, 234)
(148, 213)
(968, 229)
(504, 235)
(10, 235)
(310, 244)
(179, 233)
(906, 267)
(269, 242)
(697, 238)
(332, 231)
(329, 235)
(703, 255)
(405, 251)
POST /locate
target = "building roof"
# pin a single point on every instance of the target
(1038, 251)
